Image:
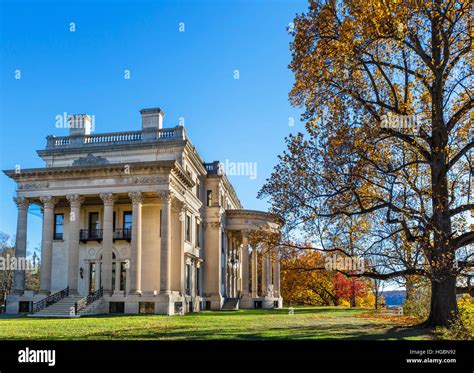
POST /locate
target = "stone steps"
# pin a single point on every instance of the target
(59, 309)
(231, 304)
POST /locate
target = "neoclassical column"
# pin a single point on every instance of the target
(136, 244)
(47, 243)
(107, 240)
(22, 204)
(264, 271)
(75, 202)
(232, 282)
(193, 278)
(227, 280)
(254, 271)
(269, 271)
(276, 276)
(182, 269)
(245, 263)
(165, 254)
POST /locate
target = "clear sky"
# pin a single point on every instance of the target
(73, 57)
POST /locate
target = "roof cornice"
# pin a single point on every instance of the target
(171, 165)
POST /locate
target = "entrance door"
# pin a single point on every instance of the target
(92, 277)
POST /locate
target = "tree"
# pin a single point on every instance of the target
(348, 289)
(6, 274)
(387, 92)
(301, 284)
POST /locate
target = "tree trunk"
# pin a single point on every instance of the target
(443, 308)
(409, 287)
(352, 298)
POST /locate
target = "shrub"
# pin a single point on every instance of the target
(463, 328)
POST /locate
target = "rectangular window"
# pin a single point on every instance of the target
(198, 281)
(113, 221)
(146, 307)
(24, 306)
(188, 278)
(116, 307)
(92, 278)
(123, 275)
(114, 273)
(94, 221)
(209, 198)
(58, 226)
(198, 234)
(127, 220)
(188, 228)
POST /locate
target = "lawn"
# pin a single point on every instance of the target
(305, 323)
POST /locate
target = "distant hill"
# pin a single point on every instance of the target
(394, 298)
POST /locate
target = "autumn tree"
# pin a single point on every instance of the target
(387, 92)
(300, 284)
(6, 274)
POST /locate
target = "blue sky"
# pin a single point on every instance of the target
(188, 74)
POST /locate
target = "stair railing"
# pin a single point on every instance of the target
(48, 301)
(91, 298)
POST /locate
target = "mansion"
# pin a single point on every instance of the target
(136, 222)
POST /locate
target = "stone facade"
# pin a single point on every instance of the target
(139, 216)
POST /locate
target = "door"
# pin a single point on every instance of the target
(92, 277)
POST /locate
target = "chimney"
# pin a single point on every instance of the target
(152, 118)
(80, 124)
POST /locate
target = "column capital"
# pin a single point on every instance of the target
(136, 197)
(75, 200)
(48, 201)
(166, 196)
(108, 198)
(184, 207)
(21, 202)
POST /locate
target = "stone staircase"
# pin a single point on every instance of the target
(61, 308)
(64, 304)
(231, 304)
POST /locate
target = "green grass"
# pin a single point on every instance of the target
(306, 323)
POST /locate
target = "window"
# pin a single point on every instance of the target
(188, 228)
(161, 215)
(198, 281)
(123, 276)
(58, 226)
(114, 273)
(127, 220)
(92, 277)
(113, 221)
(209, 198)
(146, 307)
(116, 307)
(198, 234)
(24, 306)
(188, 278)
(94, 221)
